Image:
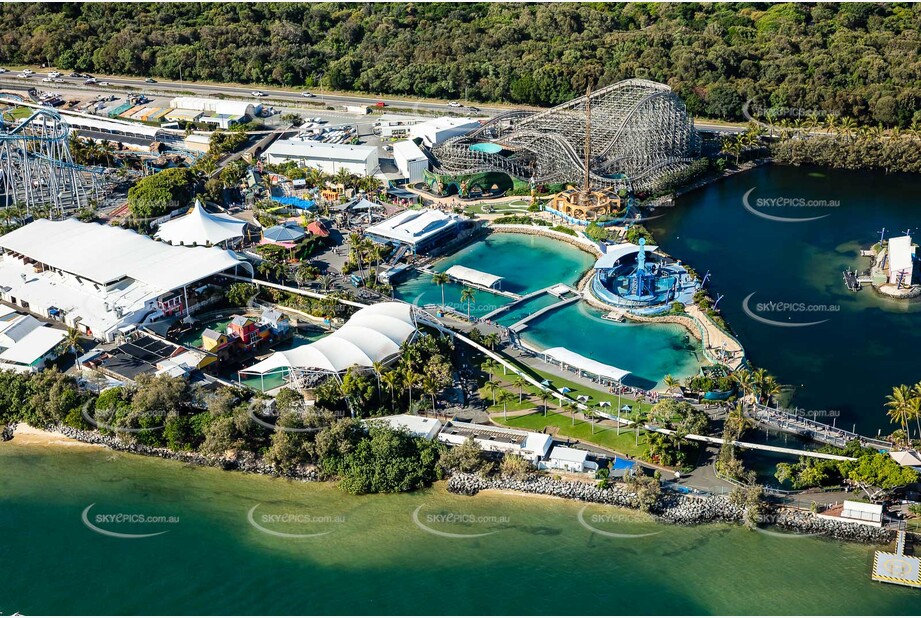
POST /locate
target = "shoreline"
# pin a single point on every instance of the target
(670, 508)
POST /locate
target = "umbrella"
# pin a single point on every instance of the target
(546, 383)
(602, 404)
(583, 398)
(626, 408)
(565, 389)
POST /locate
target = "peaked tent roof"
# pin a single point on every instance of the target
(286, 232)
(373, 334)
(201, 227)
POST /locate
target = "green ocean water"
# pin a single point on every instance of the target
(372, 556)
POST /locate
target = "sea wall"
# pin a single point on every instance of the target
(671, 507)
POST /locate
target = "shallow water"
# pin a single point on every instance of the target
(376, 558)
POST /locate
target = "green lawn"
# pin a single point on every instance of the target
(582, 430)
(527, 402)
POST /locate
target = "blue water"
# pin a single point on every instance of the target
(648, 351)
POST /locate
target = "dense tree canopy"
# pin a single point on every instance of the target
(857, 60)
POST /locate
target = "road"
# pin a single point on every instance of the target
(277, 96)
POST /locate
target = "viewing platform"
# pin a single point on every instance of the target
(522, 324)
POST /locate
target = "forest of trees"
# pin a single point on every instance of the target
(855, 60)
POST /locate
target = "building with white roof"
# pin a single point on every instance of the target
(420, 230)
(410, 160)
(529, 445)
(570, 459)
(361, 160)
(395, 126)
(202, 228)
(901, 260)
(25, 343)
(372, 335)
(476, 277)
(217, 106)
(419, 426)
(101, 278)
(437, 130)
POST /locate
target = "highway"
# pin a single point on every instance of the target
(278, 97)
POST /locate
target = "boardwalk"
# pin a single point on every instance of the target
(522, 323)
(787, 422)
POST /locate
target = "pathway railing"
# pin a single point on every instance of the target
(784, 420)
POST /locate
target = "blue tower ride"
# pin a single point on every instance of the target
(641, 283)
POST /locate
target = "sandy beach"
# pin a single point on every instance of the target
(31, 436)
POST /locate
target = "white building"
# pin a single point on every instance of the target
(201, 227)
(901, 260)
(420, 230)
(570, 459)
(217, 106)
(419, 426)
(394, 126)
(437, 130)
(410, 160)
(26, 344)
(529, 445)
(103, 279)
(330, 158)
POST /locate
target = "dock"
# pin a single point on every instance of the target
(897, 568)
(525, 298)
(522, 324)
(784, 421)
(850, 280)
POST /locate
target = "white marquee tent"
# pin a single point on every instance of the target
(201, 227)
(583, 363)
(372, 335)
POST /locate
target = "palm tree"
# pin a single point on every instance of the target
(493, 388)
(325, 282)
(745, 381)
(900, 405)
(431, 388)
(468, 296)
(846, 126)
(491, 340)
(71, 342)
(378, 370)
(410, 379)
(356, 244)
(519, 382)
(504, 398)
(489, 366)
(592, 416)
(916, 391)
(440, 279)
(392, 381)
(544, 396)
(771, 389)
(671, 381)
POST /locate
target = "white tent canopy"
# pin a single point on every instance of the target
(201, 227)
(372, 335)
(470, 275)
(578, 361)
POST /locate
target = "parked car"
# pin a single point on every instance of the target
(103, 83)
(454, 104)
(2, 70)
(54, 74)
(28, 71)
(78, 75)
(308, 95)
(58, 80)
(91, 80)
(24, 76)
(150, 80)
(47, 79)
(257, 93)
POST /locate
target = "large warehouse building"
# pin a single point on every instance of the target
(330, 158)
(410, 160)
(103, 279)
(418, 230)
(438, 130)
